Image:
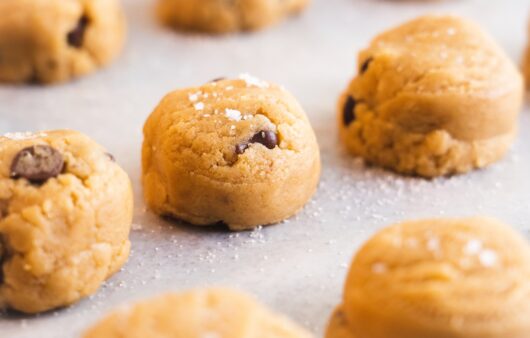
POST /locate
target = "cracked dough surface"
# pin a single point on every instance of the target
(434, 96)
(63, 238)
(439, 278)
(205, 313)
(221, 16)
(191, 170)
(34, 44)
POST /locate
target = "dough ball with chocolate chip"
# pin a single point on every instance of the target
(221, 16)
(435, 96)
(43, 41)
(450, 278)
(65, 215)
(200, 313)
(239, 151)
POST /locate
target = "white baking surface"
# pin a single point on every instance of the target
(296, 267)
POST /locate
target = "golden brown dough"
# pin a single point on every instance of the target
(526, 64)
(439, 278)
(206, 313)
(47, 41)
(238, 151)
(221, 16)
(435, 96)
(65, 216)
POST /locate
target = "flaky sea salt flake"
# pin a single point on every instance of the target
(488, 258)
(233, 114)
(253, 81)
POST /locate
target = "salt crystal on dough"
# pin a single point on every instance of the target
(473, 247)
(253, 81)
(194, 97)
(233, 114)
(199, 106)
(26, 135)
(488, 258)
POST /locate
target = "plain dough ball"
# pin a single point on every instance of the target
(47, 41)
(440, 278)
(221, 16)
(435, 96)
(197, 314)
(63, 235)
(202, 164)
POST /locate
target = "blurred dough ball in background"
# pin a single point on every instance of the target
(43, 41)
(450, 278)
(526, 62)
(221, 16)
(200, 313)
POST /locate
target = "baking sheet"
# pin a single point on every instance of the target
(296, 267)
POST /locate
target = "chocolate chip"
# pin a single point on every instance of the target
(110, 157)
(268, 138)
(348, 113)
(240, 148)
(76, 36)
(37, 163)
(366, 65)
(217, 79)
(265, 137)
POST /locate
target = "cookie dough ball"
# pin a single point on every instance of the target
(239, 151)
(43, 41)
(197, 314)
(221, 16)
(435, 96)
(526, 64)
(450, 278)
(65, 215)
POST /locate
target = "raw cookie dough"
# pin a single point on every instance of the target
(434, 96)
(236, 151)
(43, 41)
(204, 313)
(446, 278)
(526, 65)
(65, 215)
(221, 16)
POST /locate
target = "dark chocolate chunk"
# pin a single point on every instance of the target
(366, 65)
(348, 113)
(268, 138)
(240, 148)
(217, 79)
(110, 157)
(37, 163)
(76, 36)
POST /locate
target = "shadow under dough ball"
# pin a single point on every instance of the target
(221, 16)
(240, 152)
(435, 96)
(210, 312)
(65, 216)
(44, 41)
(450, 278)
